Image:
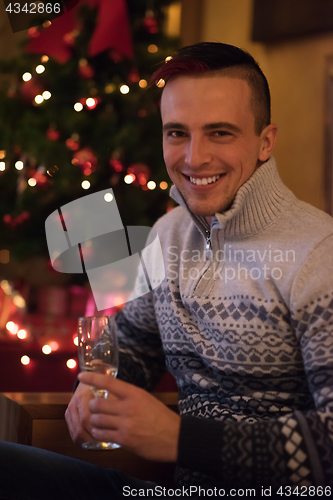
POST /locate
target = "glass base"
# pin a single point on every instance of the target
(98, 445)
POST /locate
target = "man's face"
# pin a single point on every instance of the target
(209, 144)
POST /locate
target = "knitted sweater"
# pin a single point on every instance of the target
(244, 321)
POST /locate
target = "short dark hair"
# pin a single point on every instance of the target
(231, 61)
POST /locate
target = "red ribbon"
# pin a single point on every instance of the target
(112, 31)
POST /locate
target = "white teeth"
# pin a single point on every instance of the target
(204, 181)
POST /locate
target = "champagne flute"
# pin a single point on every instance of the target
(98, 352)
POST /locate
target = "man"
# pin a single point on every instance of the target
(244, 317)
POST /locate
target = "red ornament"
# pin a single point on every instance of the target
(73, 145)
(23, 217)
(141, 172)
(7, 219)
(85, 158)
(33, 32)
(52, 134)
(134, 76)
(14, 221)
(116, 165)
(42, 180)
(85, 70)
(150, 22)
(69, 38)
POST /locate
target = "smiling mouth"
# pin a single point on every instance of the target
(204, 181)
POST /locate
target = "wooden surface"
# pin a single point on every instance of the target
(37, 419)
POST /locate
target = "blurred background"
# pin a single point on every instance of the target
(77, 116)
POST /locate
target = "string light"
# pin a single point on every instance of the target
(108, 197)
(32, 182)
(2, 154)
(46, 95)
(152, 48)
(110, 88)
(129, 178)
(167, 59)
(26, 77)
(160, 83)
(6, 287)
(85, 184)
(44, 59)
(76, 341)
(116, 165)
(12, 327)
(46, 349)
(19, 301)
(40, 69)
(19, 165)
(2, 166)
(91, 102)
(163, 185)
(4, 256)
(25, 360)
(78, 107)
(124, 89)
(33, 32)
(143, 83)
(71, 363)
(39, 99)
(54, 346)
(22, 334)
(151, 185)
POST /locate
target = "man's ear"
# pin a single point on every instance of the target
(267, 141)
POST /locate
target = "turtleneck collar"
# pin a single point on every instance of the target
(259, 202)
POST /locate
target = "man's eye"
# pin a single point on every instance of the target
(175, 133)
(221, 133)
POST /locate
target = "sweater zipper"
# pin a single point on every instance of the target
(208, 251)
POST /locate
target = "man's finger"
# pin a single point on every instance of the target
(77, 432)
(116, 387)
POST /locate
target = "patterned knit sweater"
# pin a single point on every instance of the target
(244, 321)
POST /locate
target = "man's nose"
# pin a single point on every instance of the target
(197, 153)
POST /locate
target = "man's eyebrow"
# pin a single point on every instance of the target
(208, 126)
(225, 125)
(172, 125)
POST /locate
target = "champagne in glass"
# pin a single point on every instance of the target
(98, 352)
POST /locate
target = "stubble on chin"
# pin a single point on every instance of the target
(204, 209)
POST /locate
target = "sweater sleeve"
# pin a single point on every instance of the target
(296, 449)
(141, 355)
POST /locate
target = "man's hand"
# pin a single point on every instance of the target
(78, 415)
(133, 418)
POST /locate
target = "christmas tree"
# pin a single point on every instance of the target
(77, 116)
